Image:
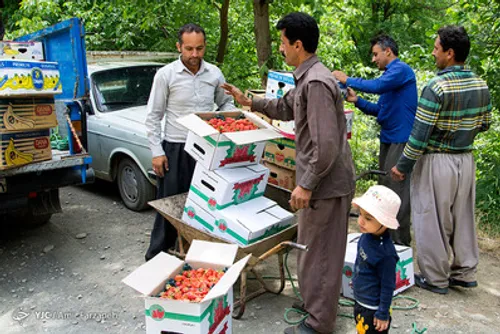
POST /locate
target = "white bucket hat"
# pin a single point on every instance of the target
(382, 203)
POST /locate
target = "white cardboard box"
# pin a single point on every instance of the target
(243, 224)
(213, 314)
(404, 267)
(21, 50)
(24, 77)
(215, 150)
(349, 116)
(278, 84)
(224, 187)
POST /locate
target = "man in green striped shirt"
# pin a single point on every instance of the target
(453, 108)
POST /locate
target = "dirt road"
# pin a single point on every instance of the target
(65, 277)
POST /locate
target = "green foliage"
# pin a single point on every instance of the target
(487, 156)
(481, 18)
(346, 28)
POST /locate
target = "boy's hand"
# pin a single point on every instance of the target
(380, 325)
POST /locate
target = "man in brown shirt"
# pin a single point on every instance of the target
(325, 172)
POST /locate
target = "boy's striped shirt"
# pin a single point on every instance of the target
(453, 108)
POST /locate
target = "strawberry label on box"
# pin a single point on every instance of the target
(280, 176)
(211, 314)
(218, 150)
(238, 154)
(281, 152)
(222, 188)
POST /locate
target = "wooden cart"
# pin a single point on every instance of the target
(172, 207)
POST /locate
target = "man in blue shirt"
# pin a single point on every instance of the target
(395, 112)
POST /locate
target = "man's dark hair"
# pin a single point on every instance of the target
(302, 27)
(385, 41)
(189, 28)
(456, 38)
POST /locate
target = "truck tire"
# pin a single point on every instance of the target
(135, 189)
(39, 209)
(31, 221)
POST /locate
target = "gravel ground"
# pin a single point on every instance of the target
(65, 277)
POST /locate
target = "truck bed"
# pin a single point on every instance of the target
(60, 159)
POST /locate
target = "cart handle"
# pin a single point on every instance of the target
(295, 245)
(279, 247)
(370, 172)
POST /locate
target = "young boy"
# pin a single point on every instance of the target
(374, 278)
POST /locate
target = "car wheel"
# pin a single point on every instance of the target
(135, 189)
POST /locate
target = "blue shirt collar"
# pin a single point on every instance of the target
(392, 63)
(383, 236)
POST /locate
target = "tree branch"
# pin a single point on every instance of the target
(165, 31)
(219, 8)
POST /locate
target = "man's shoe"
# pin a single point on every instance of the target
(421, 282)
(463, 284)
(301, 328)
(298, 305)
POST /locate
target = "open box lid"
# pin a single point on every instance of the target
(193, 122)
(205, 254)
(227, 280)
(151, 274)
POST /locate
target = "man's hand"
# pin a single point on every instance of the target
(351, 95)
(300, 198)
(237, 95)
(340, 76)
(160, 165)
(397, 175)
(380, 325)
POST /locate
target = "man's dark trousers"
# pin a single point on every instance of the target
(176, 181)
(389, 155)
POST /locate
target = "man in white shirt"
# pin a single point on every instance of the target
(184, 86)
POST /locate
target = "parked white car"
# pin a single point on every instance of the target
(116, 134)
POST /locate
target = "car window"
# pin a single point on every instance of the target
(123, 87)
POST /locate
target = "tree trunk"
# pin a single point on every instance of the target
(262, 36)
(224, 31)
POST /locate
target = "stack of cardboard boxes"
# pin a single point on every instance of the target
(27, 110)
(226, 193)
(279, 154)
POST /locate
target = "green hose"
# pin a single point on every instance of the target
(342, 302)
